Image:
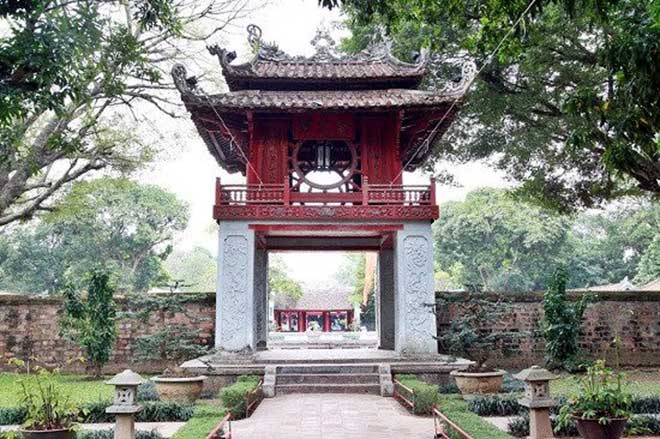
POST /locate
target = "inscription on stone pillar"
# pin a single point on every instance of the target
(418, 291)
(261, 296)
(234, 300)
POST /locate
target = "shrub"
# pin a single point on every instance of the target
(493, 405)
(426, 395)
(147, 392)
(234, 397)
(109, 434)
(153, 411)
(638, 424)
(646, 404)
(12, 415)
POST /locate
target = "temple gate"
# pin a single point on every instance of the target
(323, 142)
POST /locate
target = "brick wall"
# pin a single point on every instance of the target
(634, 316)
(28, 328)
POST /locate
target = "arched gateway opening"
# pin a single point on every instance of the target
(323, 143)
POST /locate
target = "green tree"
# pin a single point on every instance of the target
(195, 268)
(494, 242)
(568, 106)
(279, 281)
(91, 320)
(71, 70)
(562, 321)
(125, 225)
(649, 264)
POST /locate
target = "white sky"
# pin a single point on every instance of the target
(187, 169)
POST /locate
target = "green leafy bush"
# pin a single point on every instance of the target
(600, 396)
(645, 404)
(147, 392)
(234, 397)
(109, 434)
(637, 425)
(493, 405)
(12, 415)
(152, 411)
(426, 395)
(562, 321)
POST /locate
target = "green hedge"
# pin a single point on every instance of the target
(153, 411)
(234, 397)
(426, 395)
(638, 425)
(109, 434)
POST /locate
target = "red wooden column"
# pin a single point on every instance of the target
(326, 321)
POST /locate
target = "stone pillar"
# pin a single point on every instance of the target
(261, 315)
(235, 308)
(537, 399)
(124, 405)
(414, 290)
(385, 300)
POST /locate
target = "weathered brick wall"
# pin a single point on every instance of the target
(633, 316)
(28, 328)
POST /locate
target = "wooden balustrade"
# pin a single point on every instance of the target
(280, 194)
(222, 430)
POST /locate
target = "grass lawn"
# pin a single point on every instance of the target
(642, 383)
(207, 415)
(455, 408)
(80, 388)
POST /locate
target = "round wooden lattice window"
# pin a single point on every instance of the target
(309, 159)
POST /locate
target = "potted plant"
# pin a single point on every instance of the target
(601, 405)
(472, 336)
(178, 384)
(49, 413)
(313, 331)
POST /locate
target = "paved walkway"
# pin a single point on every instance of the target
(332, 416)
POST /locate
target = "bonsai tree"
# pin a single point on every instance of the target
(472, 335)
(90, 320)
(600, 406)
(48, 412)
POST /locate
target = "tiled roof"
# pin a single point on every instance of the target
(321, 298)
(321, 100)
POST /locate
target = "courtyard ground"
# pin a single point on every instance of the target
(81, 389)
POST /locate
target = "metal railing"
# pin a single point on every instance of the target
(280, 194)
(222, 430)
(442, 425)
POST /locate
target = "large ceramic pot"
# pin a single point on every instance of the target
(180, 389)
(63, 433)
(591, 429)
(478, 383)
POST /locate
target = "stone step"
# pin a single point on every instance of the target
(327, 369)
(286, 389)
(328, 378)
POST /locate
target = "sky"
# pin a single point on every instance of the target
(187, 169)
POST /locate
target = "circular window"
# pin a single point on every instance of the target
(324, 165)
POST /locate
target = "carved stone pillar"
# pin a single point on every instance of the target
(414, 294)
(235, 307)
(385, 300)
(261, 316)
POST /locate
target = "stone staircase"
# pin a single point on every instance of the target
(330, 378)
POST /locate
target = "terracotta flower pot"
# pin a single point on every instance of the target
(478, 383)
(63, 433)
(180, 389)
(591, 429)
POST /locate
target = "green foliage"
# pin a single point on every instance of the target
(173, 343)
(279, 282)
(568, 106)
(649, 263)
(234, 397)
(79, 388)
(495, 405)
(126, 225)
(44, 404)
(109, 434)
(196, 269)
(522, 241)
(91, 321)
(152, 411)
(12, 415)
(471, 335)
(425, 395)
(205, 418)
(147, 392)
(562, 322)
(600, 396)
(455, 408)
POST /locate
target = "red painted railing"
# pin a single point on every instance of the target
(279, 194)
(254, 398)
(222, 430)
(442, 423)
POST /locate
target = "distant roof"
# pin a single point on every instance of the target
(322, 298)
(654, 285)
(270, 67)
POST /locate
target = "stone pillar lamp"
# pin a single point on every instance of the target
(537, 399)
(124, 406)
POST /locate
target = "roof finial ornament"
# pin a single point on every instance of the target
(324, 45)
(254, 36)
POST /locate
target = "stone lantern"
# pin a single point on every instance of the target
(124, 405)
(537, 399)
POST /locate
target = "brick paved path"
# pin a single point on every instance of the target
(332, 416)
